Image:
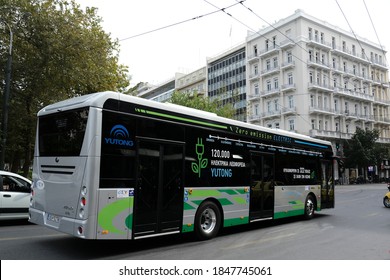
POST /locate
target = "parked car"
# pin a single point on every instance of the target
(14, 196)
(386, 199)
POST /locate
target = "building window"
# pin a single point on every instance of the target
(344, 46)
(312, 100)
(289, 57)
(336, 105)
(290, 79)
(333, 42)
(334, 63)
(275, 60)
(316, 35)
(311, 77)
(256, 110)
(256, 89)
(256, 69)
(277, 125)
(326, 126)
(291, 101)
(322, 38)
(313, 124)
(310, 33)
(319, 124)
(255, 50)
(269, 106)
(337, 126)
(266, 45)
(276, 83)
(274, 41)
(276, 105)
(268, 64)
(269, 85)
(291, 125)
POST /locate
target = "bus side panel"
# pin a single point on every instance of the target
(290, 200)
(234, 202)
(115, 213)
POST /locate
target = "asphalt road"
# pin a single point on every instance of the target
(358, 228)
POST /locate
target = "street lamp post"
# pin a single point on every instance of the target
(4, 124)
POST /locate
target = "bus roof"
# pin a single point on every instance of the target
(98, 99)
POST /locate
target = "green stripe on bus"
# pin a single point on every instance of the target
(181, 119)
(241, 191)
(187, 206)
(235, 221)
(290, 213)
(229, 191)
(224, 201)
(240, 200)
(205, 193)
(187, 228)
(107, 214)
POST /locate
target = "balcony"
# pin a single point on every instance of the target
(270, 92)
(271, 114)
(353, 94)
(350, 54)
(329, 134)
(289, 111)
(269, 51)
(320, 86)
(318, 64)
(375, 63)
(270, 71)
(288, 65)
(321, 44)
(253, 97)
(289, 87)
(288, 43)
(252, 58)
(321, 110)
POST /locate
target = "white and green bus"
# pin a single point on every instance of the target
(113, 166)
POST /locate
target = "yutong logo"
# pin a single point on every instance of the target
(119, 136)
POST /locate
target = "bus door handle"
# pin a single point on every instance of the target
(6, 195)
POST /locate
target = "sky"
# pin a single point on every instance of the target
(199, 29)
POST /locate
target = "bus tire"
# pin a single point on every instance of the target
(207, 220)
(309, 207)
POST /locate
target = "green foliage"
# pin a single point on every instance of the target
(59, 51)
(363, 150)
(200, 102)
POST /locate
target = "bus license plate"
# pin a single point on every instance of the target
(53, 218)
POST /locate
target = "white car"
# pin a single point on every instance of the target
(15, 193)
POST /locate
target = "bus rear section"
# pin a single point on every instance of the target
(63, 153)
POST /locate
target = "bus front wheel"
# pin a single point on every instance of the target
(207, 220)
(309, 207)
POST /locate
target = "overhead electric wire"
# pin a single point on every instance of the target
(180, 22)
(376, 33)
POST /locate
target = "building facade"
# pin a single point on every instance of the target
(226, 79)
(308, 76)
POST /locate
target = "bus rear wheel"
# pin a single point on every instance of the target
(207, 220)
(309, 207)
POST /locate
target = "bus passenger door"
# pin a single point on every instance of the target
(327, 185)
(262, 186)
(159, 190)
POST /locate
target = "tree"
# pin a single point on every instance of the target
(59, 51)
(199, 102)
(362, 150)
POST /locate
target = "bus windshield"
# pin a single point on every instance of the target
(62, 134)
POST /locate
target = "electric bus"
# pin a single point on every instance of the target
(112, 166)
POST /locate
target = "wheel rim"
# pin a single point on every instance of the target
(208, 220)
(309, 207)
